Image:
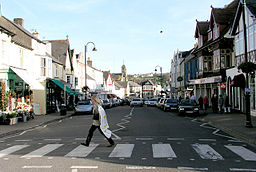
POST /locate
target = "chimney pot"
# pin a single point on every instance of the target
(19, 21)
(36, 34)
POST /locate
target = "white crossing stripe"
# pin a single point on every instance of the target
(243, 152)
(82, 151)
(206, 152)
(37, 167)
(122, 151)
(42, 151)
(11, 150)
(163, 151)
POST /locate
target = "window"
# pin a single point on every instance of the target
(76, 81)
(209, 35)
(3, 49)
(68, 79)
(43, 66)
(21, 57)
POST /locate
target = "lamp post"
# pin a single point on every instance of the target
(247, 94)
(161, 76)
(85, 50)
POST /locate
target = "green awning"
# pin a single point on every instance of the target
(61, 85)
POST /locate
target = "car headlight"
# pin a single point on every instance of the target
(181, 108)
(196, 109)
(167, 105)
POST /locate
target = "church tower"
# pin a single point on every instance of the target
(124, 73)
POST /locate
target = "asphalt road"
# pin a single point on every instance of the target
(147, 139)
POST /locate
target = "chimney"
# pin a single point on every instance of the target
(19, 21)
(36, 34)
(89, 62)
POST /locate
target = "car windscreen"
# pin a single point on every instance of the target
(86, 102)
(155, 100)
(136, 100)
(105, 101)
(188, 103)
(172, 101)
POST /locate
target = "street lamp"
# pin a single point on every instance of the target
(85, 50)
(247, 94)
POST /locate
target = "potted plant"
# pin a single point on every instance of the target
(12, 118)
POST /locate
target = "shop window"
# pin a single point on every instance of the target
(68, 79)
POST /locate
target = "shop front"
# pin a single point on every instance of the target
(59, 94)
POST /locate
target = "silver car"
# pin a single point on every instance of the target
(136, 102)
(84, 106)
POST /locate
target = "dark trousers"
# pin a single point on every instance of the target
(90, 134)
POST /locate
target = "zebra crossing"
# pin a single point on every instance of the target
(204, 151)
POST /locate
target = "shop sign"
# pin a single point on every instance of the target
(223, 86)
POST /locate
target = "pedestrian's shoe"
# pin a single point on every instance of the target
(112, 144)
(85, 144)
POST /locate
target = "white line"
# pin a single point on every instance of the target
(11, 150)
(216, 133)
(241, 169)
(163, 151)
(243, 152)
(80, 139)
(37, 167)
(206, 152)
(144, 139)
(122, 151)
(174, 139)
(23, 140)
(208, 140)
(42, 151)
(139, 168)
(190, 168)
(116, 136)
(84, 167)
(82, 151)
(203, 125)
(237, 141)
(52, 139)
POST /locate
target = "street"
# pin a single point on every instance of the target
(146, 139)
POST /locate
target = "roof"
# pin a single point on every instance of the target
(60, 48)
(122, 84)
(202, 28)
(251, 5)
(22, 37)
(133, 84)
(105, 75)
(223, 16)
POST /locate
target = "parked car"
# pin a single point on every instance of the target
(171, 104)
(136, 102)
(126, 101)
(188, 106)
(105, 104)
(152, 102)
(145, 101)
(84, 106)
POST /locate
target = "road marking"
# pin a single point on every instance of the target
(84, 167)
(190, 168)
(52, 139)
(23, 140)
(206, 152)
(144, 139)
(163, 151)
(243, 152)
(79, 139)
(175, 139)
(139, 168)
(42, 151)
(11, 150)
(82, 151)
(241, 169)
(37, 167)
(122, 151)
(208, 140)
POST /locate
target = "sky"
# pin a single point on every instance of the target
(123, 31)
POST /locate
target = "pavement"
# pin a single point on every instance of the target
(232, 123)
